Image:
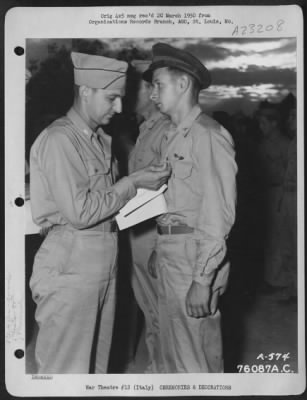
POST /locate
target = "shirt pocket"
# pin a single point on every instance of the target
(145, 157)
(182, 169)
(95, 167)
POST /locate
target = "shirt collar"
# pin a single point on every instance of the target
(105, 139)
(84, 129)
(185, 126)
(151, 121)
(79, 122)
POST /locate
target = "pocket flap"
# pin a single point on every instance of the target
(96, 167)
(182, 169)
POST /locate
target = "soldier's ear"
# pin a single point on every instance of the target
(84, 92)
(184, 82)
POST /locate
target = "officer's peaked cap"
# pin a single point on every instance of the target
(165, 55)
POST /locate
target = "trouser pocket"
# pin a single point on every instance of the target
(50, 261)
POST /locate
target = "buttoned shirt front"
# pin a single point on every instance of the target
(71, 176)
(147, 149)
(202, 188)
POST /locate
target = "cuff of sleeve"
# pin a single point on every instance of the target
(204, 278)
(125, 188)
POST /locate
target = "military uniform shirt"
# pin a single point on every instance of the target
(202, 188)
(71, 179)
(147, 149)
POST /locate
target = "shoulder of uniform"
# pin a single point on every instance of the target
(59, 134)
(56, 127)
(61, 130)
(207, 126)
(207, 123)
(60, 125)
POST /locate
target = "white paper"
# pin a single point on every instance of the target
(152, 208)
(142, 197)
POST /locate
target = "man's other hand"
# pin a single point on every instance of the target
(198, 300)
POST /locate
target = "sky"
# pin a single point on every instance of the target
(243, 71)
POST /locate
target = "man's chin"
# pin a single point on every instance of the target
(162, 109)
(106, 120)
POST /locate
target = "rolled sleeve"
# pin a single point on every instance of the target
(125, 188)
(210, 254)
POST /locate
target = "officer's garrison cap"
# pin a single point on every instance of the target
(165, 55)
(99, 72)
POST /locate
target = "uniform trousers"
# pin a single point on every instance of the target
(143, 239)
(187, 344)
(73, 285)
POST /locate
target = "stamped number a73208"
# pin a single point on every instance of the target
(251, 29)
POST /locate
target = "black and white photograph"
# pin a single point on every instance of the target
(158, 201)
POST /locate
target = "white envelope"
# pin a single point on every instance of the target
(146, 204)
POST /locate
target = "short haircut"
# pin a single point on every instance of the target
(195, 84)
(76, 91)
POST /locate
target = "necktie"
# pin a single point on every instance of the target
(97, 143)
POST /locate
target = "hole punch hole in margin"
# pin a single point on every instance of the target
(19, 201)
(19, 353)
(19, 51)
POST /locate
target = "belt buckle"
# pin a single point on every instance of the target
(169, 229)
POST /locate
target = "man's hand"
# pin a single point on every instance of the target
(152, 177)
(152, 267)
(198, 300)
